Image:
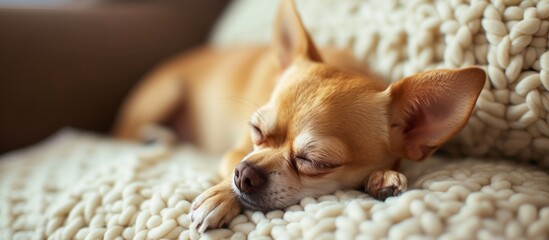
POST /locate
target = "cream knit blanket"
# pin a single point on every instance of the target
(396, 38)
(81, 186)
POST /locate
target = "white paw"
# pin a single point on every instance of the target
(214, 208)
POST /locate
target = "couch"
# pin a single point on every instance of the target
(81, 185)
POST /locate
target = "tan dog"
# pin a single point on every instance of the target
(322, 122)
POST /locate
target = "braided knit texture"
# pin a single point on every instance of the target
(80, 186)
(508, 38)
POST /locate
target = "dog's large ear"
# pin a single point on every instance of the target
(291, 40)
(428, 108)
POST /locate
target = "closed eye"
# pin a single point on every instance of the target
(306, 162)
(302, 158)
(317, 154)
(257, 134)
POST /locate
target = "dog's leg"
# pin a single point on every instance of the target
(219, 204)
(154, 133)
(150, 104)
(386, 183)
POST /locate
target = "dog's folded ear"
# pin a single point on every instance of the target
(291, 40)
(429, 108)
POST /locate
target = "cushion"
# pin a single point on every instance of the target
(508, 38)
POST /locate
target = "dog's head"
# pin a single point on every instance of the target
(326, 129)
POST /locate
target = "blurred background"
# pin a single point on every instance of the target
(66, 64)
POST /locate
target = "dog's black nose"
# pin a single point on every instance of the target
(247, 179)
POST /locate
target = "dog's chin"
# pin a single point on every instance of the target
(258, 201)
(249, 203)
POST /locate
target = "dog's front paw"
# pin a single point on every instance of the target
(214, 207)
(386, 183)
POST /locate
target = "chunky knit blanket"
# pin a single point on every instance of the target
(81, 186)
(396, 38)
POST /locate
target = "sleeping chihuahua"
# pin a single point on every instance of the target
(322, 122)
